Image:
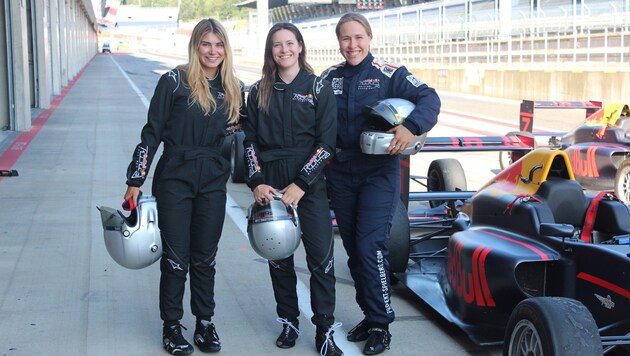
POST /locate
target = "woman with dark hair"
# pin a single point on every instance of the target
(191, 109)
(289, 136)
(365, 189)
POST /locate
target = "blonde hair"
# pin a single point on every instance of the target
(353, 16)
(196, 79)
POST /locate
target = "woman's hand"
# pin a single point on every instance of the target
(402, 138)
(291, 195)
(263, 194)
(130, 200)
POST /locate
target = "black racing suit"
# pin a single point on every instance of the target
(190, 187)
(365, 189)
(292, 145)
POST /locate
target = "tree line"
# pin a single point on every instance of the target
(191, 10)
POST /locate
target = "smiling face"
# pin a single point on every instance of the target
(354, 42)
(285, 50)
(211, 53)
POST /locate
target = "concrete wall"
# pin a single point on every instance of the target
(606, 86)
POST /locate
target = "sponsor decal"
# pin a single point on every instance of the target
(383, 278)
(369, 84)
(303, 98)
(252, 161)
(316, 160)
(414, 81)
(319, 85)
(172, 74)
(385, 67)
(388, 71)
(337, 85)
(142, 153)
(606, 301)
(604, 284)
(174, 265)
(587, 166)
(330, 265)
(468, 278)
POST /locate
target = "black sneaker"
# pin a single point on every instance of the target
(290, 333)
(378, 340)
(325, 343)
(359, 332)
(206, 338)
(174, 342)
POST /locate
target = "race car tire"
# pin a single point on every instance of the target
(551, 326)
(506, 158)
(445, 175)
(622, 182)
(398, 243)
(237, 158)
(226, 148)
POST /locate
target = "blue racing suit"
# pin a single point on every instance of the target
(365, 189)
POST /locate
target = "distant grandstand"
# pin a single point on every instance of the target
(307, 10)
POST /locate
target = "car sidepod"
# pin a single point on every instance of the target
(487, 273)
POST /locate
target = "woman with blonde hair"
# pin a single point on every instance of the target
(190, 112)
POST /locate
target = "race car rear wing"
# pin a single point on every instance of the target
(528, 107)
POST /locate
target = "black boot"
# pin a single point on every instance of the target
(359, 332)
(206, 337)
(290, 333)
(325, 343)
(173, 340)
(377, 342)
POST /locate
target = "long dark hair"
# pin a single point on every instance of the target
(270, 68)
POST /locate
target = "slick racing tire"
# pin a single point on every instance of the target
(237, 158)
(399, 240)
(445, 175)
(226, 148)
(551, 326)
(622, 182)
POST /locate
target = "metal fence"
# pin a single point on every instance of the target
(560, 34)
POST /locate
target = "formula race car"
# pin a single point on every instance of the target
(529, 261)
(598, 149)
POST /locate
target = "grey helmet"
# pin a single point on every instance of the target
(133, 241)
(273, 230)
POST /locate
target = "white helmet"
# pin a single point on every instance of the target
(382, 116)
(133, 242)
(273, 230)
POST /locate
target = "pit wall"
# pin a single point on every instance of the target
(606, 86)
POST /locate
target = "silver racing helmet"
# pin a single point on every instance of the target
(273, 230)
(133, 241)
(388, 113)
(382, 116)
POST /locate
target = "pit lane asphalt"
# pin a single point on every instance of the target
(62, 294)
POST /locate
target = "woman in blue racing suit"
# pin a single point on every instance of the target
(365, 189)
